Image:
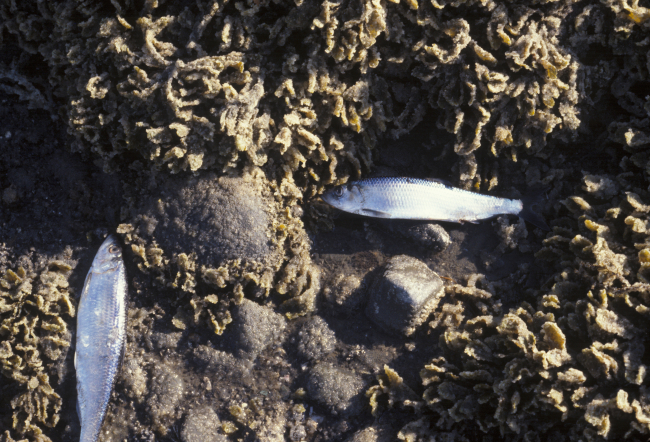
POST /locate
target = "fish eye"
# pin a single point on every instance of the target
(338, 192)
(113, 249)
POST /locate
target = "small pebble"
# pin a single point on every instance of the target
(315, 339)
(165, 341)
(429, 236)
(218, 363)
(337, 389)
(345, 293)
(254, 327)
(134, 378)
(9, 195)
(202, 425)
(167, 391)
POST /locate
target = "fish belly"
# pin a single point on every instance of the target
(100, 339)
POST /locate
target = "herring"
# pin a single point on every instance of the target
(421, 199)
(101, 326)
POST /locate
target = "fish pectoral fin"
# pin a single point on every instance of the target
(375, 213)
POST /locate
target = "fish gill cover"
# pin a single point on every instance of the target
(298, 94)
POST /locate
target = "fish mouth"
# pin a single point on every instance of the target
(328, 198)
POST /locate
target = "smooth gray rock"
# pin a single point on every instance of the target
(337, 389)
(404, 295)
(202, 425)
(254, 328)
(315, 339)
(429, 236)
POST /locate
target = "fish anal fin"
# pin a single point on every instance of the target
(375, 213)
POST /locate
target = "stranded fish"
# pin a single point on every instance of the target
(418, 199)
(101, 326)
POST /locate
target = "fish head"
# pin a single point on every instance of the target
(109, 255)
(348, 197)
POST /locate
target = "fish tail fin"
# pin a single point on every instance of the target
(529, 202)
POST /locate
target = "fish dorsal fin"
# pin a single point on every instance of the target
(439, 181)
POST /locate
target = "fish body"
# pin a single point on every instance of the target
(420, 199)
(101, 331)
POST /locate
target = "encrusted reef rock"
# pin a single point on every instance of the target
(223, 369)
(404, 295)
(166, 392)
(35, 305)
(373, 433)
(229, 236)
(338, 390)
(216, 218)
(202, 425)
(135, 379)
(184, 87)
(573, 367)
(254, 328)
(315, 339)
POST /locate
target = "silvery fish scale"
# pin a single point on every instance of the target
(101, 324)
(418, 199)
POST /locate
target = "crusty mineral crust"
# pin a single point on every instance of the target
(576, 361)
(35, 303)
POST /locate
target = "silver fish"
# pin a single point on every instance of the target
(101, 331)
(418, 199)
